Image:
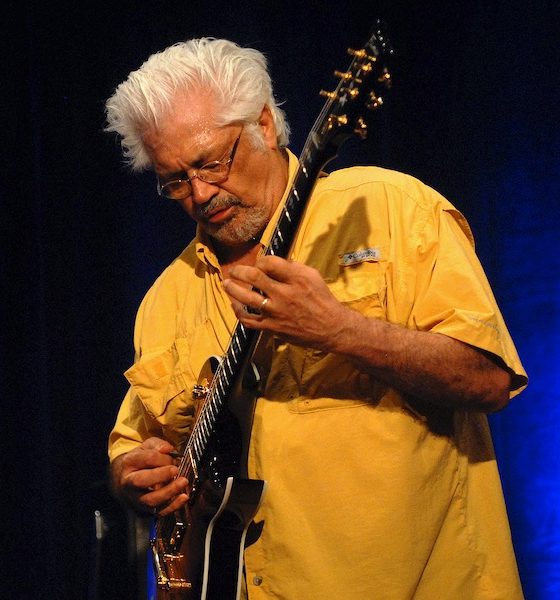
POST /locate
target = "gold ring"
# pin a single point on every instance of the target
(255, 311)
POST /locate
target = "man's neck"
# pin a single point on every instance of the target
(235, 253)
(240, 254)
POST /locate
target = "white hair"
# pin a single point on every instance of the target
(237, 77)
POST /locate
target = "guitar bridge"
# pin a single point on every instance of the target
(168, 569)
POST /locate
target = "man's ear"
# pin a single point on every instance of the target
(268, 127)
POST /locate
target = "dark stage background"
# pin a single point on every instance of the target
(474, 113)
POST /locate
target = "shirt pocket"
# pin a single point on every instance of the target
(328, 381)
(159, 381)
(163, 382)
(157, 378)
(362, 287)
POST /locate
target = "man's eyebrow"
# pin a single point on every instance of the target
(171, 175)
(182, 173)
(204, 157)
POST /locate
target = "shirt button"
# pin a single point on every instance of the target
(257, 580)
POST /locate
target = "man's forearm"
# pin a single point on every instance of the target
(430, 366)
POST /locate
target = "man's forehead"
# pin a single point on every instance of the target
(187, 135)
(193, 108)
(192, 113)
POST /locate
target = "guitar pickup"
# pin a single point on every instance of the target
(173, 530)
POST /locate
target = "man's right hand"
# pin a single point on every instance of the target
(146, 479)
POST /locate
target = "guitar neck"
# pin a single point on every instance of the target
(340, 118)
(243, 340)
(293, 209)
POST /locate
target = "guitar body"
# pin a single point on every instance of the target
(209, 563)
(198, 551)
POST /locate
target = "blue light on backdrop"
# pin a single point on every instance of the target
(527, 434)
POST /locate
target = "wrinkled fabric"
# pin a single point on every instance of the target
(370, 494)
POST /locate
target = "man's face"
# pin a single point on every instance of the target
(237, 209)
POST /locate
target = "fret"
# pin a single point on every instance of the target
(193, 463)
(287, 213)
(227, 362)
(205, 428)
(315, 139)
(221, 386)
(196, 447)
(213, 410)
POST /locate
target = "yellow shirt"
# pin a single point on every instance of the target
(370, 495)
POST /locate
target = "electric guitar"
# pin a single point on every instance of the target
(198, 551)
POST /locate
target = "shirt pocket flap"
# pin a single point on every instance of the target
(156, 379)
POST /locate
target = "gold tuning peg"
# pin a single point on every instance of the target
(325, 94)
(343, 75)
(361, 54)
(374, 101)
(385, 78)
(360, 128)
(337, 121)
(347, 76)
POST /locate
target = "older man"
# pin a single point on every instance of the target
(385, 348)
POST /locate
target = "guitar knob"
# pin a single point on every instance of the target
(331, 95)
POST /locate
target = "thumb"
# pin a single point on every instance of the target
(155, 443)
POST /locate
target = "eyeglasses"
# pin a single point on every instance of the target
(212, 172)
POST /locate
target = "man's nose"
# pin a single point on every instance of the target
(202, 191)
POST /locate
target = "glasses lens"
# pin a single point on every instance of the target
(176, 190)
(214, 172)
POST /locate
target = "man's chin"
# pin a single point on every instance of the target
(231, 235)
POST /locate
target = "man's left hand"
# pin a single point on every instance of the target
(295, 303)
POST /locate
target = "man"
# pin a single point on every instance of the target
(386, 348)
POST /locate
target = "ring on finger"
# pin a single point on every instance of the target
(250, 310)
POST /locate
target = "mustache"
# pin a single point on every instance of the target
(216, 204)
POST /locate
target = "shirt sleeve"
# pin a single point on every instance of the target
(130, 427)
(453, 296)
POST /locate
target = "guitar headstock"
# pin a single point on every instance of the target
(362, 88)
